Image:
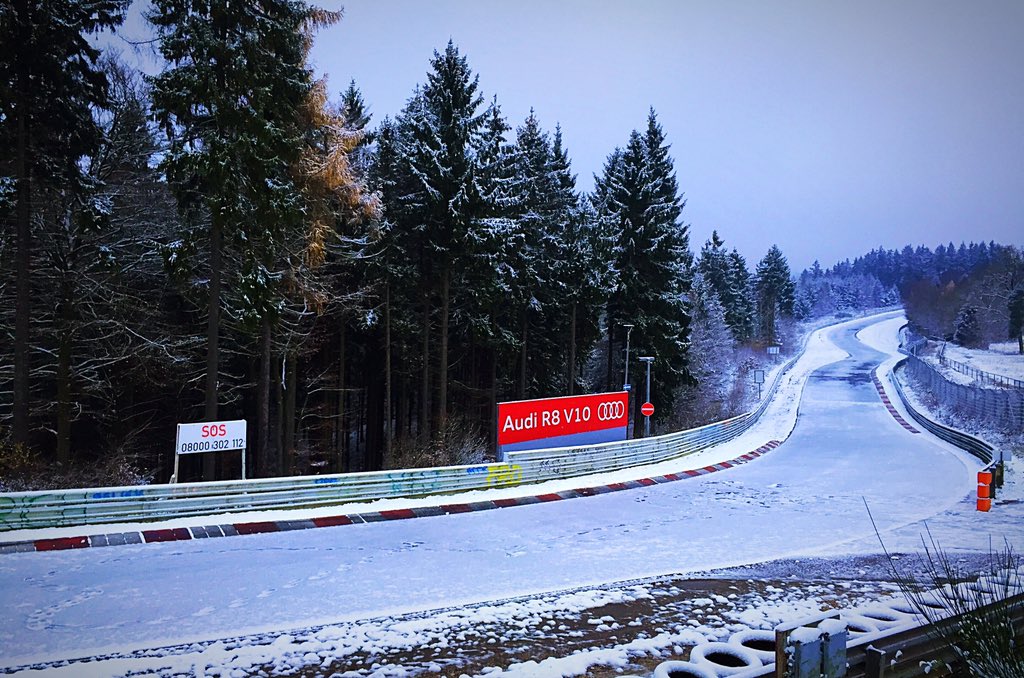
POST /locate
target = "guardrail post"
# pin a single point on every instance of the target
(874, 663)
(833, 657)
(802, 656)
(815, 648)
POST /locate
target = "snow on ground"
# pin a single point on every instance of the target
(1001, 359)
(775, 424)
(300, 600)
(630, 627)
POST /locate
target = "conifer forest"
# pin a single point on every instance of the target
(227, 240)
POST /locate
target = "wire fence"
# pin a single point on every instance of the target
(980, 375)
(1002, 409)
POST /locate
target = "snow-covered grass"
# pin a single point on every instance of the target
(628, 627)
(1001, 359)
(307, 602)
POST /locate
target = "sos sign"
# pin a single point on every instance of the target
(210, 436)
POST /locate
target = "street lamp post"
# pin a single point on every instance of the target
(647, 418)
(625, 384)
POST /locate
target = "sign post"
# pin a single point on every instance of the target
(648, 408)
(759, 380)
(209, 436)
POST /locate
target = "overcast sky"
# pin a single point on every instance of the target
(826, 127)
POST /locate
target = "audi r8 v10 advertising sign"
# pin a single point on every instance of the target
(562, 422)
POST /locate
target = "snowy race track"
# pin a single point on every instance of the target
(806, 497)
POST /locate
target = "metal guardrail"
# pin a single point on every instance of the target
(151, 502)
(897, 638)
(975, 446)
(54, 508)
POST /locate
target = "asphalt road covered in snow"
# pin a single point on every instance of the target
(806, 497)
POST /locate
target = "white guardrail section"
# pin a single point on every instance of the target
(52, 508)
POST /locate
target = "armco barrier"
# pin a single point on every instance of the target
(979, 448)
(55, 508)
(153, 502)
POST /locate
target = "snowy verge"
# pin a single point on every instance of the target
(776, 423)
(884, 337)
(1001, 359)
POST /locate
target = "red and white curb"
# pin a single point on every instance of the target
(888, 405)
(233, 529)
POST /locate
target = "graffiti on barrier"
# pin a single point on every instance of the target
(116, 495)
(504, 475)
(17, 512)
(421, 482)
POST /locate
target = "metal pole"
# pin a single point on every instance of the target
(647, 418)
(625, 383)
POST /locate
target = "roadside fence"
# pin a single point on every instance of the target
(1002, 409)
(980, 375)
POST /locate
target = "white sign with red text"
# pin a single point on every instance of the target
(210, 436)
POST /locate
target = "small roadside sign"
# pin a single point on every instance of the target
(647, 409)
(209, 436)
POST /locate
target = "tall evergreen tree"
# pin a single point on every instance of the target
(640, 198)
(711, 357)
(442, 161)
(726, 273)
(356, 116)
(740, 311)
(49, 84)
(229, 103)
(775, 289)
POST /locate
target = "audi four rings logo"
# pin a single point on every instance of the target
(611, 410)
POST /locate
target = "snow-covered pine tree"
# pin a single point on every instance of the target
(229, 102)
(494, 262)
(775, 289)
(728, 277)
(104, 328)
(441, 157)
(582, 265)
(50, 83)
(641, 201)
(535, 186)
(739, 311)
(711, 357)
(356, 115)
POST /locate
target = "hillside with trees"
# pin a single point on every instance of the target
(971, 294)
(224, 241)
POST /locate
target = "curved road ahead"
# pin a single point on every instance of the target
(806, 496)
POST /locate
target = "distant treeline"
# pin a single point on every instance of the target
(972, 294)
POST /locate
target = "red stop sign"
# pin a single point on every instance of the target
(647, 409)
